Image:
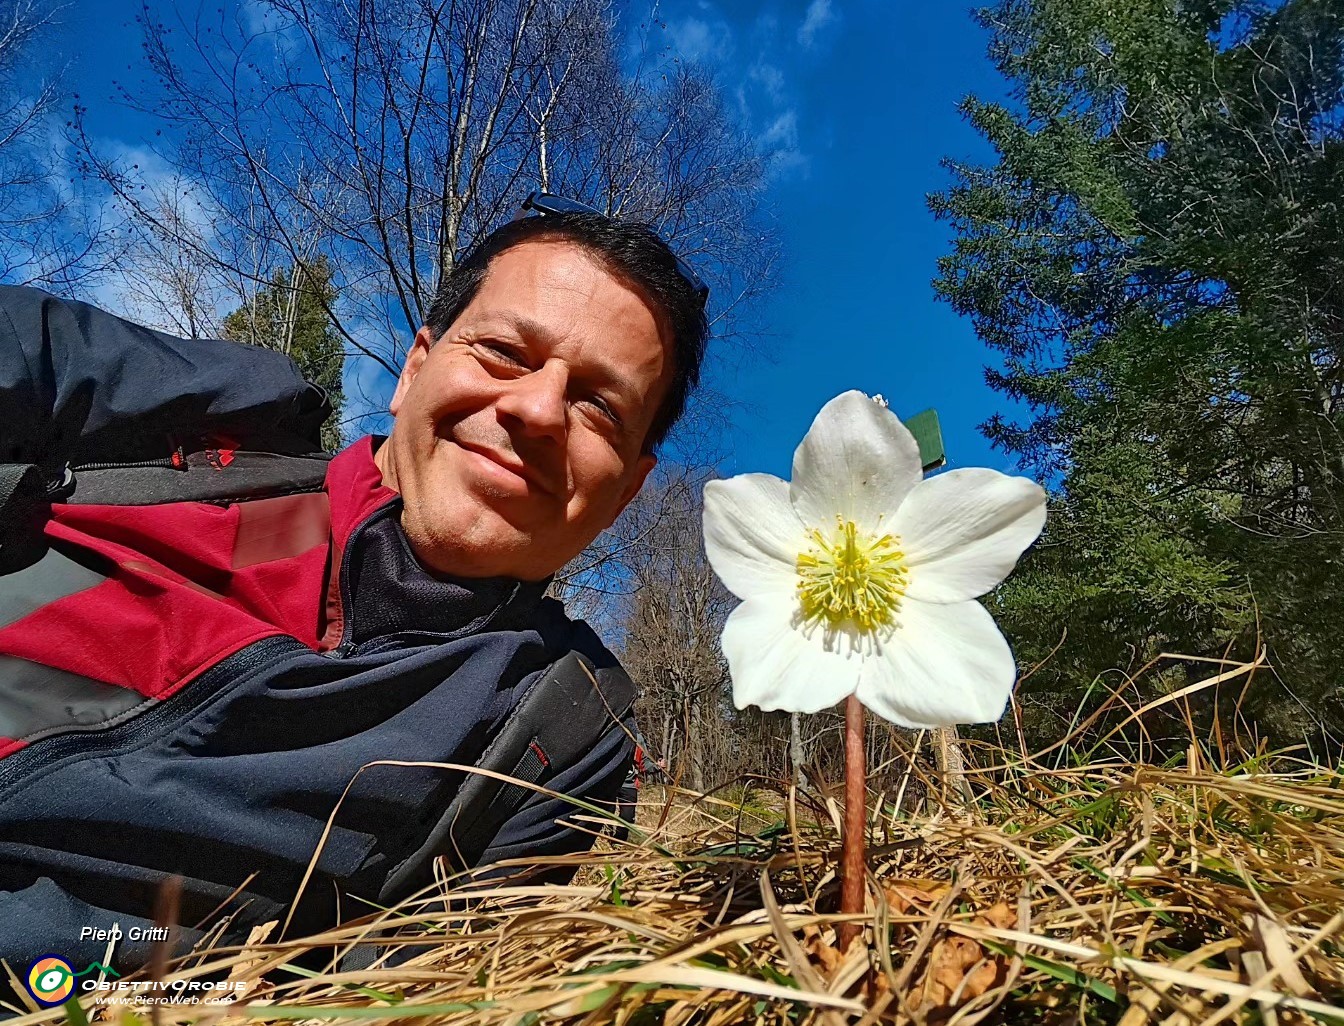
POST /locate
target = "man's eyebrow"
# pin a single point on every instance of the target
(530, 328)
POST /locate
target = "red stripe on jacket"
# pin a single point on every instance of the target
(189, 583)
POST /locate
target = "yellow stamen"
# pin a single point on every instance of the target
(851, 577)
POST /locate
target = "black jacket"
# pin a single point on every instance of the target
(192, 688)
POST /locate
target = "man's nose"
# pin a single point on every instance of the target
(536, 401)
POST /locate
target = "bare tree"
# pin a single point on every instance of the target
(388, 137)
(163, 278)
(46, 235)
(671, 626)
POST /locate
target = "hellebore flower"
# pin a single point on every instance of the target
(859, 577)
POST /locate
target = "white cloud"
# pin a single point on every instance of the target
(695, 39)
(261, 20)
(769, 78)
(783, 131)
(255, 17)
(779, 144)
(818, 16)
(754, 67)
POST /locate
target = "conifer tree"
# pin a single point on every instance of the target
(292, 315)
(1157, 258)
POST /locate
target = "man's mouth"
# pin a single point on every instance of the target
(505, 469)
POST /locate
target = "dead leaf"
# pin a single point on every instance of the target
(821, 946)
(247, 966)
(911, 897)
(959, 968)
(1273, 942)
(1000, 916)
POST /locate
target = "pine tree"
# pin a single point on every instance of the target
(291, 315)
(1158, 257)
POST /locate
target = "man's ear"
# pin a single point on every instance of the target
(645, 464)
(424, 339)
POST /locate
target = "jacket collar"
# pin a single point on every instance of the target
(355, 488)
(390, 590)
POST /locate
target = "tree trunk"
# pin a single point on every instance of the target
(695, 777)
(951, 769)
(796, 753)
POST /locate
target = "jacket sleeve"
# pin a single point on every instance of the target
(537, 830)
(544, 826)
(78, 384)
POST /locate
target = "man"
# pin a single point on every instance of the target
(627, 801)
(198, 690)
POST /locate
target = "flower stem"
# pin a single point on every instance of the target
(856, 818)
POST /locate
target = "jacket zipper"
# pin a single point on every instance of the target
(347, 626)
(177, 461)
(19, 768)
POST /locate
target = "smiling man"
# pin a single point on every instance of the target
(523, 422)
(222, 688)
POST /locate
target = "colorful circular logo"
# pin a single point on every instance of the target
(51, 980)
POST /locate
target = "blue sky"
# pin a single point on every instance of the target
(862, 96)
(856, 99)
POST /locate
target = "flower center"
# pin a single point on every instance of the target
(851, 576)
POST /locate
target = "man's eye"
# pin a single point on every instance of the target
(499, 352)
(604, 409)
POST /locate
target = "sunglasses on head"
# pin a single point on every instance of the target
(544, 203)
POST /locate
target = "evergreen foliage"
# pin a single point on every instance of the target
(292, 315)
(1157, 256)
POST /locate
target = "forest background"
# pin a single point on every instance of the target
(1145, 251)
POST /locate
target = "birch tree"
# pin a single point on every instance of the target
(388, 137)
(45, 236)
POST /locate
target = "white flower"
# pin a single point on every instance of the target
(860, 577)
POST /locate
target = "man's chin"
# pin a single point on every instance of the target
(469, 537)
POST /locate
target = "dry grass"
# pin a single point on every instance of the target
(1113, 892)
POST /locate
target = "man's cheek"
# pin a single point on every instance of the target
(465, 415)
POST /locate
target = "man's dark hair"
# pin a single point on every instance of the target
(630, 250)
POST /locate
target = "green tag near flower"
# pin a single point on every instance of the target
(929, 437)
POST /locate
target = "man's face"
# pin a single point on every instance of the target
(519, 434)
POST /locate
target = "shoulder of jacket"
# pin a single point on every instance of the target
(564, 634)
(570, 639)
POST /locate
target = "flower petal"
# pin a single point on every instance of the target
(963, 531)
(752, 535)
(857, 461)
(775, 666)
(947, 663)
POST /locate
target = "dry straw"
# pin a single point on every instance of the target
(1107, 892)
